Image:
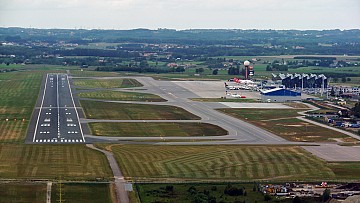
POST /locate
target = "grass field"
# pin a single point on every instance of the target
(82, 192)
(18, 93)
(155, 129)
(220, 162)
(261, 114)
(92, 73)
(348, 170)
(20, 193)
(122, 96)
(223, 100)
(52, 161)
(283, 123)
(102, 83)
(106, 110)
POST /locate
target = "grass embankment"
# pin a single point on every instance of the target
(19, 193)
(108, 83)
(108, 110)
(82, 192)
(75, 162)
(284, 124)
(122, 96)
(18, 94)
(156, 129)
(223, 163)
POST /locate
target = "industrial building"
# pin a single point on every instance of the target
(280, 95)
(301, 80)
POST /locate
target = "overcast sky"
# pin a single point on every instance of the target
(181, 14)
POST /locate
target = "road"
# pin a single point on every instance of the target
(56, 119)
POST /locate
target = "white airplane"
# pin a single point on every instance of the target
(246, 82)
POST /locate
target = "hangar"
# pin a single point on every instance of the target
(280, 95)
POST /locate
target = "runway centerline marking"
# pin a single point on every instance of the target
(57, 103)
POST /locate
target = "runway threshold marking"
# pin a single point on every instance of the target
(77, 114)
(42, 103)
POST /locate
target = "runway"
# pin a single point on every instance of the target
(55, 119)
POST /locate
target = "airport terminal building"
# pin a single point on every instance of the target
(301, 80)
(280, 95)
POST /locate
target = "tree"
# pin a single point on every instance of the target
(326, 195)
(267, 197)
(343, 79)
(356, 110)
(169, 188)
(336, 80)
(348, 79)
(180, 69)
(332, 93)
(297, 200)
(201, 70)
(215, 72)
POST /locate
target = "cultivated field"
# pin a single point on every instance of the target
(82, 192)
(121, 96)
(52, 161)
(219, 162)
(155, 129)
(283, 123)
(19, 193)
(102, 83)
(107, 110)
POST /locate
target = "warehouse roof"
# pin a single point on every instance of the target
(280, 92)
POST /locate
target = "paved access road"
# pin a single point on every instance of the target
(55, 119)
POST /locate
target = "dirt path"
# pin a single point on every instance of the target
(121, 194)
(48, 192)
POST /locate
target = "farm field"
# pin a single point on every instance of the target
(75, 162)
(19, 193)
(146, 162)
(155, 129)
(284, 124)
(107, 110)
(111, 83)
(121, 96)
(82, 192)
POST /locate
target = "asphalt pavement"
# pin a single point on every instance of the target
(56, 118)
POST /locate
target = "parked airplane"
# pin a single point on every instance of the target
(245, 82)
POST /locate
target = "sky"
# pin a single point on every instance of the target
(181, 14)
